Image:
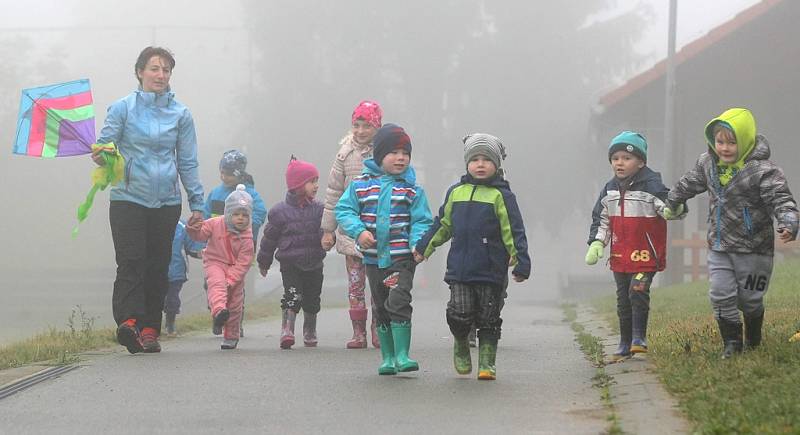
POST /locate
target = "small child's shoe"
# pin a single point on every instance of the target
(219, 321)
(487, 352)
(309, 330)
(169, 325)
(128, 336)
(229, 343)
(638, 345)
(150, 342)
(623, 352)
(795, 337)
(462, 360)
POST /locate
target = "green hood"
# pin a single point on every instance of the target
(743, 125)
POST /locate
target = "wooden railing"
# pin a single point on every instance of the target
(698, 245)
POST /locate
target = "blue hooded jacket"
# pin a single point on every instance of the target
(182, 243)
(155, 134)
(392, 207)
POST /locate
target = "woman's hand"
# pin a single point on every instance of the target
(97, 156)
(366, 240)
(419, 258)
(328, 240)
(196, 221)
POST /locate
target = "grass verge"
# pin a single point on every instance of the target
(59, 347)
(758, 391)
(593, 348)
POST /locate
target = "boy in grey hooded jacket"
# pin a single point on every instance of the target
(746, 190)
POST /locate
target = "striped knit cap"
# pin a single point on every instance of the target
(484, 144)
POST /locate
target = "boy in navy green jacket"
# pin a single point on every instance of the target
(481, 216)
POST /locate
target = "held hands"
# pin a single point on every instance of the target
(419, 258)
(595, 252)
(263, 270)
(328, 240)
(786, 236)
(366, 240)
(670, 214)
(196, 221)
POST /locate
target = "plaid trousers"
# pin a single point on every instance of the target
(478, 304)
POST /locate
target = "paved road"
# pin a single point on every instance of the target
(543, 386)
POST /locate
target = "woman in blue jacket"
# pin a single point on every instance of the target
(155, 134)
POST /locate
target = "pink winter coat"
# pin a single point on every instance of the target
(235, 251)
(348, 164)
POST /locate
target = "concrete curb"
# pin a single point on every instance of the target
(640, 401)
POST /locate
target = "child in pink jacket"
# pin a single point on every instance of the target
(226, 260)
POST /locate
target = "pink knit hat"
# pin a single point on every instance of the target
(299, 173)
(369, 111)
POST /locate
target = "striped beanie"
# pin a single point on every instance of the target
(486, 145)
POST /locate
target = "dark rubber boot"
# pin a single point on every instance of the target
(731, 337)
(309, 329)
(625, 336)
(752, 330)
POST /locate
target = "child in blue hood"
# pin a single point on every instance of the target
(386, 212)
(232, 172)
(177, 274)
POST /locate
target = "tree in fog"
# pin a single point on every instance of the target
(523, 71)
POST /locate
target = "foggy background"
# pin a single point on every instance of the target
(279, 78)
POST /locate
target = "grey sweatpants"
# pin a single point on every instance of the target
(738, 282)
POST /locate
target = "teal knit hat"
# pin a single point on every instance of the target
(631, 142)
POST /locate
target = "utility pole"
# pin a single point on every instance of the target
(673, 152)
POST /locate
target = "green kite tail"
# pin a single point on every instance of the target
(110, 173)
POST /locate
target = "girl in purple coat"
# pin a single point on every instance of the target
(294, 230)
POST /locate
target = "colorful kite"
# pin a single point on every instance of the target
(56, 120)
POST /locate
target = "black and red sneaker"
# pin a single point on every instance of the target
(150, 340)
(128, 336)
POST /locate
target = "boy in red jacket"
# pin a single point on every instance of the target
(630, 216)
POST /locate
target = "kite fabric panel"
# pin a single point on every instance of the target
(56, 120)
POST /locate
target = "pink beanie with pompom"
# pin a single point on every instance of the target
(299, 173)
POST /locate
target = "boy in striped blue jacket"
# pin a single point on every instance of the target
(481, 216)
(386, 212)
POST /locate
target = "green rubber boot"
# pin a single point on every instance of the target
(401, 333)
(462, 360)
(487, 349)
(387, 351)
